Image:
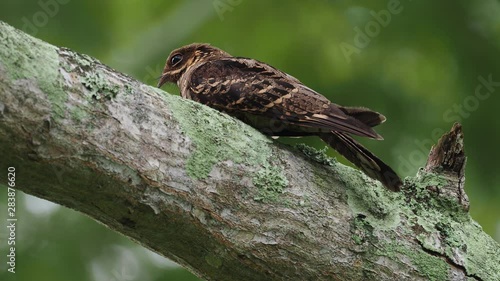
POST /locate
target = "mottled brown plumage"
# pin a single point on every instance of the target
(275, 103)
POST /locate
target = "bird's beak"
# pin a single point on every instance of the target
(163, 80)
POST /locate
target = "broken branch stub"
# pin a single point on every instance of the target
(447, 158)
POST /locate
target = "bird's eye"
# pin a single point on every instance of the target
(176, 59)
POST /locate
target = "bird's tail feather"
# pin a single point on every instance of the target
(363, 159)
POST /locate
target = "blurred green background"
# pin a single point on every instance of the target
(421, 67)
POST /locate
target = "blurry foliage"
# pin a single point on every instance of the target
(418, 69)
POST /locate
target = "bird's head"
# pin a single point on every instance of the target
(181, 59)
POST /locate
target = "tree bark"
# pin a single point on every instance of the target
(213, 194)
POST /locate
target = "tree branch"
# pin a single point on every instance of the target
(213, 194)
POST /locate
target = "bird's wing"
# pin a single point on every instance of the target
(241, 85)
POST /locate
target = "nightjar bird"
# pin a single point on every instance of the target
(275, 103)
